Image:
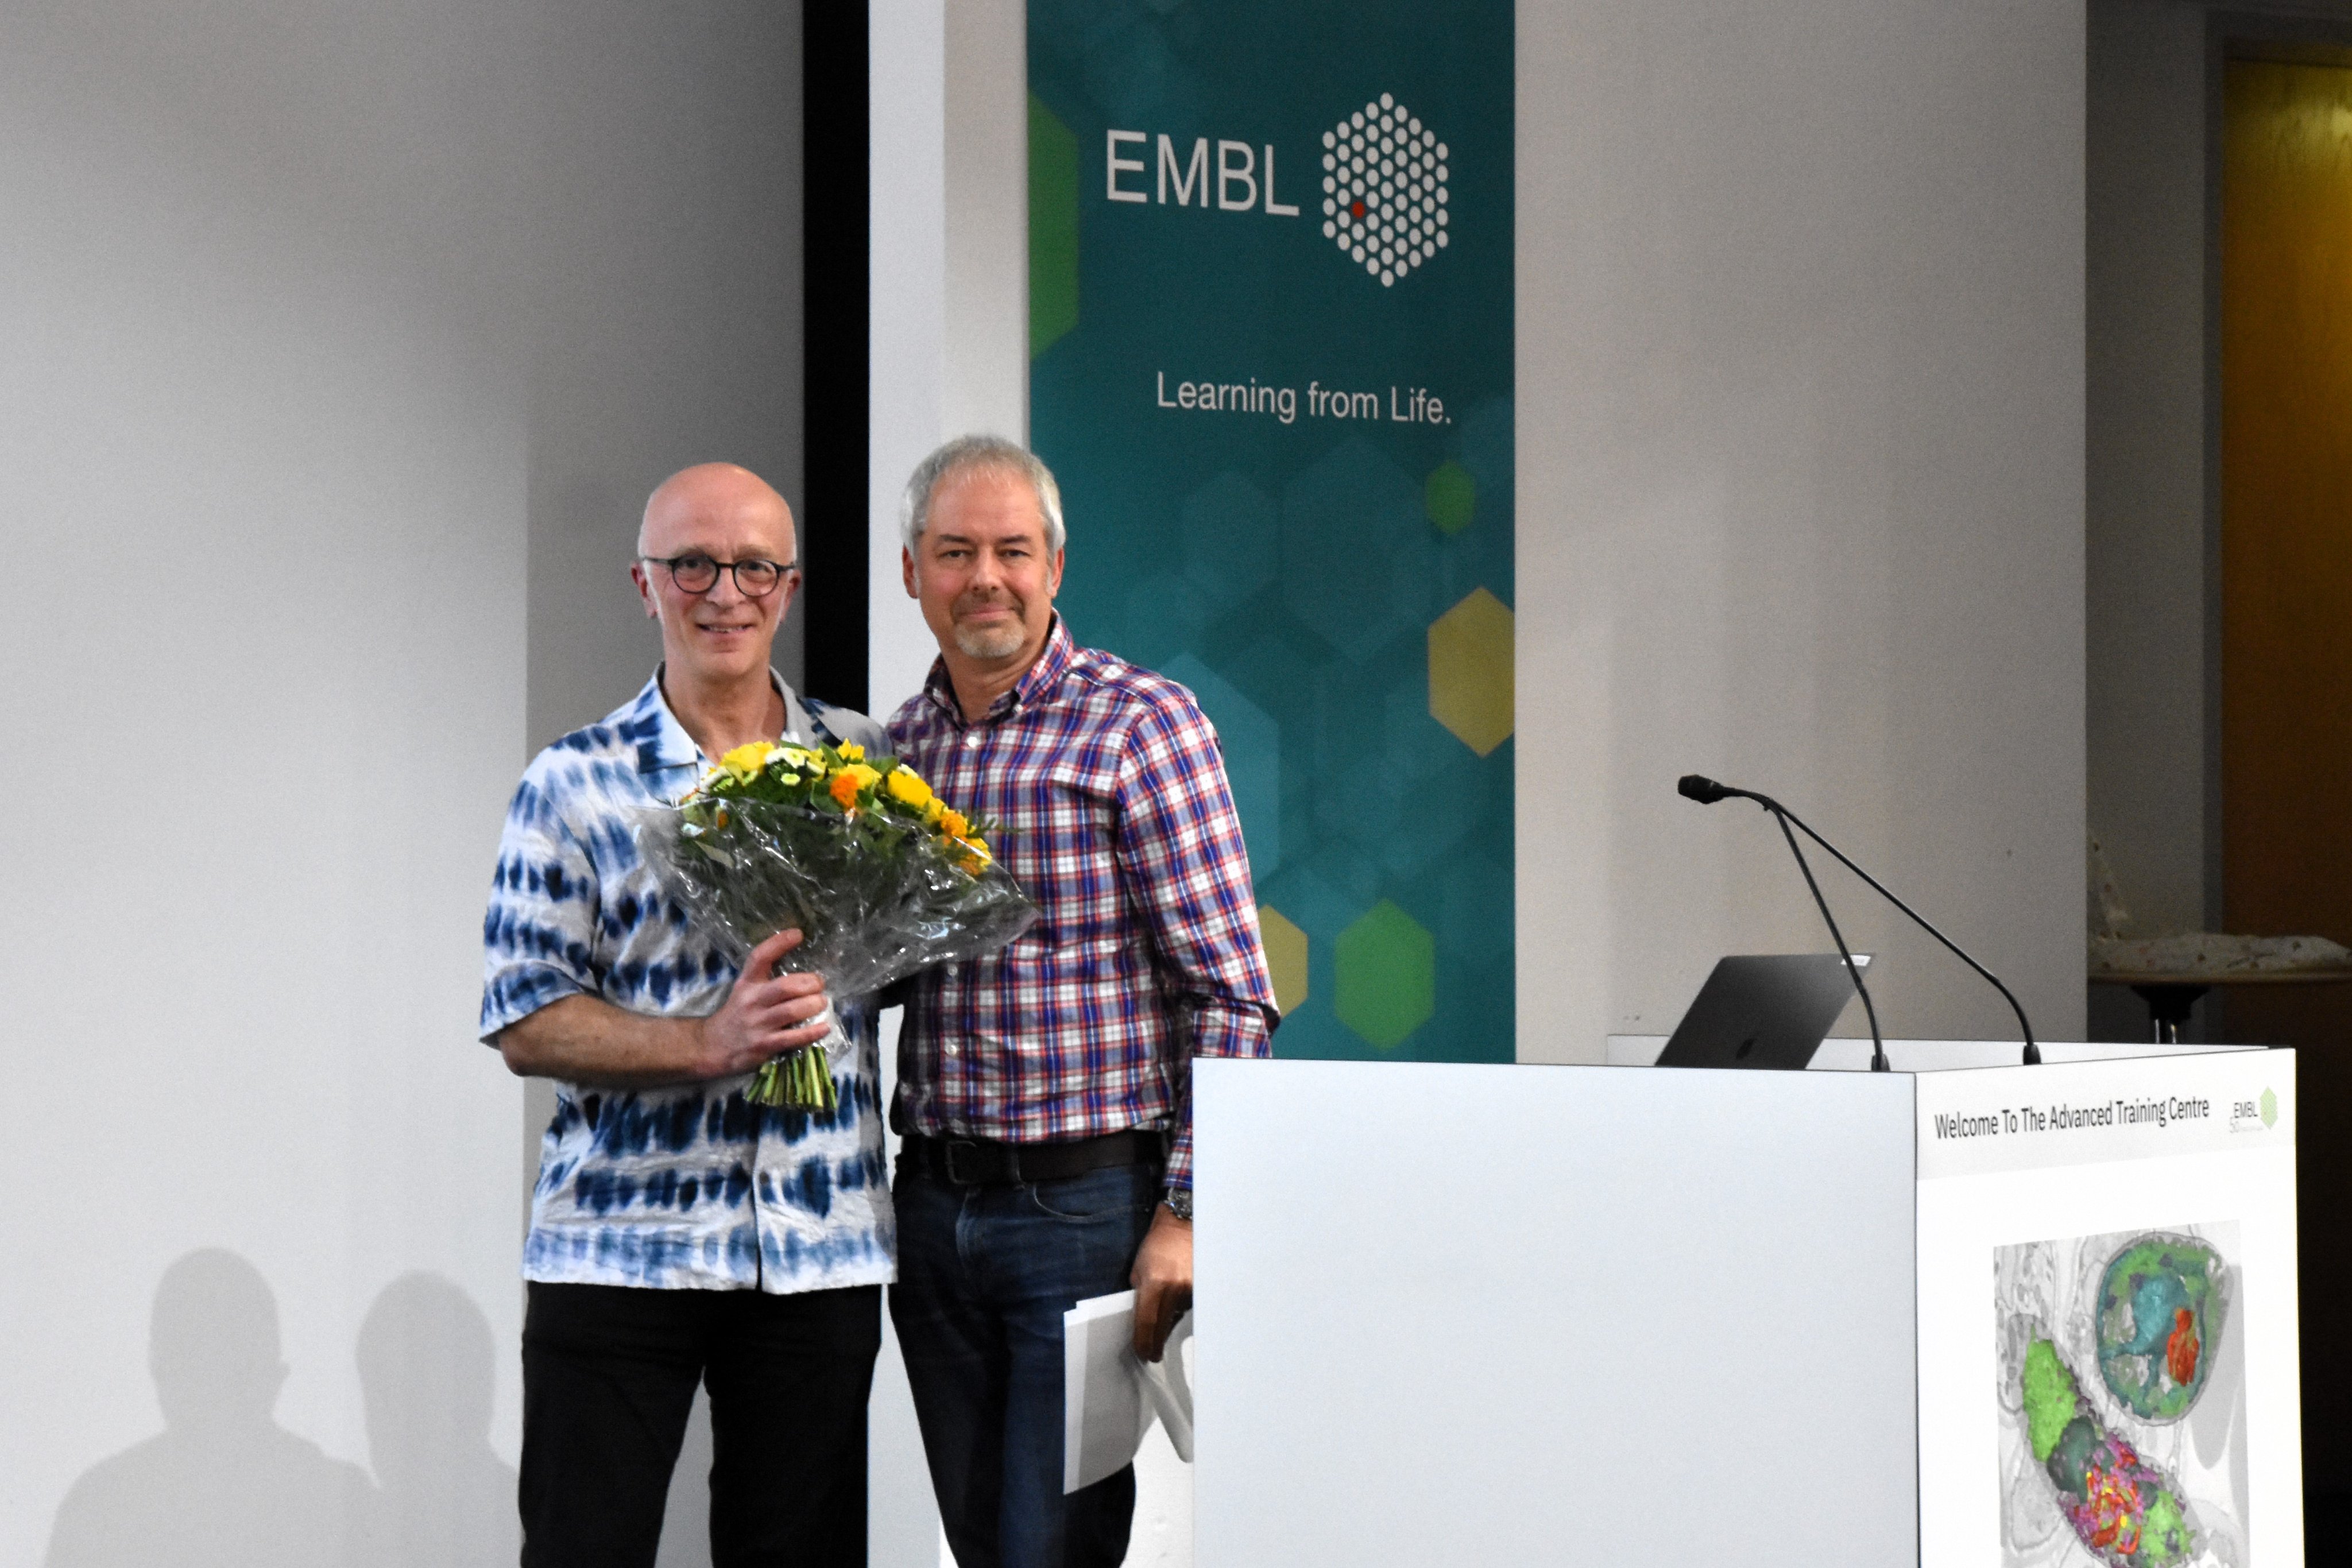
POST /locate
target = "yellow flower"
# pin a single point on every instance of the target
(805, 760)
(907, 787)
(748, 759)
(933, 809)
(953, 825)
(853, 752)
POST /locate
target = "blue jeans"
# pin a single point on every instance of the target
(985, 1276)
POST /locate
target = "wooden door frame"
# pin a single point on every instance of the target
(2232, 35)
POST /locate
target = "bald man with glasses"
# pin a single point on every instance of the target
(679, 1234)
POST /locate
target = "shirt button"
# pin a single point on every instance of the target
(970, 740)
(951, 1051)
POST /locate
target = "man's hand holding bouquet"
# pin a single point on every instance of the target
(881, 877)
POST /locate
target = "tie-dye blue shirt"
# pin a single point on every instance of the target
(687, 1188)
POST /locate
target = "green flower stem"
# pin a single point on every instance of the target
(797, 1080)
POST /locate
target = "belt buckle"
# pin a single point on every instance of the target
(948, 1162)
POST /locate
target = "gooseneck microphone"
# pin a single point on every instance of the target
(1706, 792)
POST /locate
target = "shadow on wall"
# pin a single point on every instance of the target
(428, 1370)
(225, 1484)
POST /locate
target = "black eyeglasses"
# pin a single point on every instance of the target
(699, 574)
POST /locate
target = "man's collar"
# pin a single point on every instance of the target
(666, 756)
(1053, 662)
(664, 748)
(1037, 682)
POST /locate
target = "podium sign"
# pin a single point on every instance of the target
(2107, 1273)
(1464, 1313)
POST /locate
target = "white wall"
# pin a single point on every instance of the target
(1799, 498)
(907, 392)
(906, 401)
(262, 478)
(950, 273)
(665, 281)
(338, 346)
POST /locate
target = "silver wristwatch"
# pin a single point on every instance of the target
(1180, 1202)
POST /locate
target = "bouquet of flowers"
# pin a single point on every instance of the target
(881, 877)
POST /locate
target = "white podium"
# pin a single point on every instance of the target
(1627, 1314)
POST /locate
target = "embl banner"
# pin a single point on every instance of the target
(1271, 340)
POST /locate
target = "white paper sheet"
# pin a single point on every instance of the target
(1109, 1398)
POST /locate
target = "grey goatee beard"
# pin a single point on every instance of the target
(986, 643)
(1001, 641)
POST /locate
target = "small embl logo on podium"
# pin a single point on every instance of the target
(2253, 1115)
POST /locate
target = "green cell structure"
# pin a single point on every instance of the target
(2159, 1315)
(2126, 1512)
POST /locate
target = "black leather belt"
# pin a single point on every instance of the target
(980, 1162)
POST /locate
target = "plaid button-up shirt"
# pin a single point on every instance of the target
(1109, 788)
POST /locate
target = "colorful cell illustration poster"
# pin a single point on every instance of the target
(2122, 1391)
(1271, 363)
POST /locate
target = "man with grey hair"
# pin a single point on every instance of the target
(1044, 1090)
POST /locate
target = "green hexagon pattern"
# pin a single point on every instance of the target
(1450, 497)
(1387, 976)
(1231, 541)
(1347, 570)
(1053, 228)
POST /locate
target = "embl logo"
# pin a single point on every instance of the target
(1235, 182)
(2255, 1115)
(1385, 202)
(1384, 197)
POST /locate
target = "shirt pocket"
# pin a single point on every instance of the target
(1066, 817)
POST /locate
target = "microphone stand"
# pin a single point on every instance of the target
(1878, 1063)
(1707, 791)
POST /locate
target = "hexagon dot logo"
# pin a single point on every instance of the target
(1384, 195)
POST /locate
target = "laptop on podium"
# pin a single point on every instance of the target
(1769, 1009)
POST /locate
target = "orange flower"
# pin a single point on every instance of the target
(953, 825)
(843, 789)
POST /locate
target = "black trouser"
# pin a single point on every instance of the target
(608, 1377)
